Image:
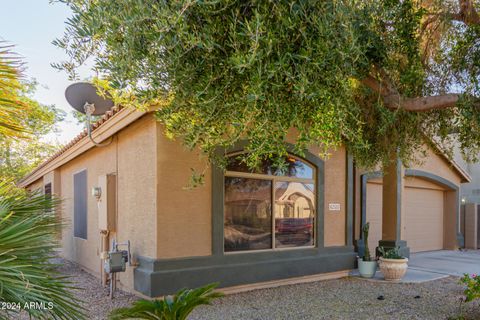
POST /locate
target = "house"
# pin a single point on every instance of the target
(239, 227)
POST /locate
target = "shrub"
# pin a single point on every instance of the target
(393, 253)
(472, 282)
(176, 307)
(28, 275)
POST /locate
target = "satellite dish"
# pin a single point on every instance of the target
(81, 94)
(83, 97)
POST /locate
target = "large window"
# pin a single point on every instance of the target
(269, 208)
(80, 204)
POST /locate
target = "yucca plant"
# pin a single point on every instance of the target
(29, 279)
(176, 307)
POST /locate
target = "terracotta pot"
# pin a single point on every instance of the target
(393, 269)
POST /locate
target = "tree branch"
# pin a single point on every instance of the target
(421, 104)
(468, 14)
(376, 86)
(393, 100)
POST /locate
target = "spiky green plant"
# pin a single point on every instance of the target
(29, 279)
(176, 307)
(366, 255)
(12, 110)
(390, 253)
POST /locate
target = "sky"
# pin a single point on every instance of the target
(31, 26)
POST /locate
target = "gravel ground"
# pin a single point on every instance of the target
(96, 297)
(347, 298)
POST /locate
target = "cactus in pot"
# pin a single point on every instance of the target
(366, 265)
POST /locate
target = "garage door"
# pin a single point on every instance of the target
(423, 226)
(422, 222)
(374, 214)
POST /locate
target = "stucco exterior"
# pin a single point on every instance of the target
(176, 232)
(131, 156)
(429, 205)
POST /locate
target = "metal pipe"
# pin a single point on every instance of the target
(104, 249)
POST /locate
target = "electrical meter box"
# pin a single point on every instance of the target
(116, 262)
(107, 202)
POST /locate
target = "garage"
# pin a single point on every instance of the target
(423, 222)
(423, 214)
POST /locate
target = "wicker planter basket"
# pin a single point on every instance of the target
(393, 269)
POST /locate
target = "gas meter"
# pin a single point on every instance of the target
(117, 262)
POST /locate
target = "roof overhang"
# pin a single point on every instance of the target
(102, 130)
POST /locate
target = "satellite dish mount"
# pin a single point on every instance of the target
(83, 97)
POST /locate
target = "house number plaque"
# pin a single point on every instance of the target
(334, 206)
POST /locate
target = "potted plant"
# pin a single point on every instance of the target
(366, 265)
(392, 264)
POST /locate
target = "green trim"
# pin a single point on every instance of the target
(217, 206)
(363, 208)
(399, 204)
(218, 198)
(156, 277)
(431, 177)
(349, 200)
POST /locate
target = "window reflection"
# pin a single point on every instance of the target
(269, 207)
(294, 214)
(248, 219)
(292, 167)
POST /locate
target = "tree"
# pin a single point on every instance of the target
(378, 76)
(20, 154)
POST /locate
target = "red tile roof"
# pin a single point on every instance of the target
(109, 114)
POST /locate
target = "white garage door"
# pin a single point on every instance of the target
(422, 223)
(423, 219)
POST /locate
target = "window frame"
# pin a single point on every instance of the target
(274, 179)
(84, 170)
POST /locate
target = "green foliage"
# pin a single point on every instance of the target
(18, 156)
(28, 228)
(365, 228)
(11, 108)
(176, 307)
(252, 70)
(393, 253)
(472, 291)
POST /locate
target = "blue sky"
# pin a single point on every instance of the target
(32, 25)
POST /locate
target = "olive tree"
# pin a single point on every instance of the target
(381, 77)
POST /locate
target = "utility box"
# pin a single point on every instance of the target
(107, 202)
(116, 262)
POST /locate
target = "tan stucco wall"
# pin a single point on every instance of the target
(36, 186)
(97, 161)
(188, 212)
(335, 192)
(184, 214)
(136, 185)
(438, 165)
(136, 211)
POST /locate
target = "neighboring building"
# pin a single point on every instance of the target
(469, 192)
(239, 227)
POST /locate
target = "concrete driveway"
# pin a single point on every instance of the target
(446, 262)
